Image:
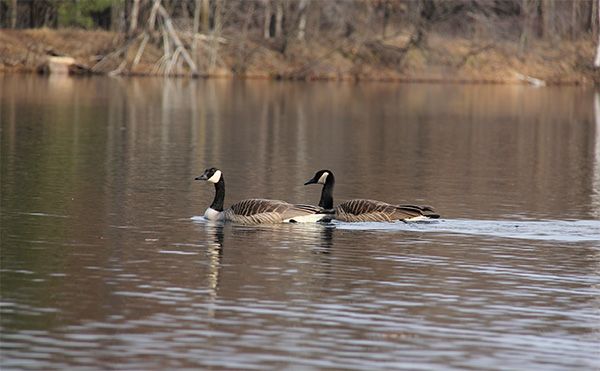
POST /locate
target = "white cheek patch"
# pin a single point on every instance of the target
(216, 177)
(323, 178)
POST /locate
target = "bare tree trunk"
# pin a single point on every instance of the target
(13, 14)
(279, 19)
(47, 16)
(425, 10)
(302, 8)
(184, 10)
(195, 30)
(217, 16)
(138, 55)
(267, 20)
(547, 10)
(196, 24)
(544, 17)
(594, 17)
(152, 18)
(173, 35)
(205, 16)
(316, 17)
(386, 18)
(302, 26)
(574, 27)
(526, 23)
(134, 16)
(115, 16)
(242, 55)
(597, 61)
(214, 47)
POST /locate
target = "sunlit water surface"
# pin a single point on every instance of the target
(107, 263)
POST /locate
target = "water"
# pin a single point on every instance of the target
(106, 262)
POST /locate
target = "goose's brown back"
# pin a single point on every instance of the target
(262, 211)
(363, 210)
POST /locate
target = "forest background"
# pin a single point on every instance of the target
(532, 41)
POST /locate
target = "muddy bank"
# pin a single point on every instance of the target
(444, 58)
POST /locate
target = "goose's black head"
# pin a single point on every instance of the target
(321, 177)
(326, 178)
(212, 175)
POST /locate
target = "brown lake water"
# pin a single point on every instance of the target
(107, 264)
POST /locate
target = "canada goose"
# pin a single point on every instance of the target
(255, 211)
(361, 210)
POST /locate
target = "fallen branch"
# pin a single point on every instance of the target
(168, 24)
(170, 59)
(172, 62)
(119, 69)
(140, 51)
(98, 67)
(158, 65)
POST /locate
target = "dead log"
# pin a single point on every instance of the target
(57, 65)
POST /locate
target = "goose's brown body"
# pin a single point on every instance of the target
(262, 211)
(255, 210)
(365, 210)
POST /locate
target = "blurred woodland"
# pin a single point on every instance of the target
(487, 40)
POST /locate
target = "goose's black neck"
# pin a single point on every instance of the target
(326, 201)
(217, 203)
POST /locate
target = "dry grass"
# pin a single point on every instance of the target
(27, 49)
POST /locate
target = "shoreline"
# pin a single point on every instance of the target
(446, 59)
(402, 80)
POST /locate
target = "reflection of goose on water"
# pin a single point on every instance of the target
(215, 255)
(255, 211)
(362, 210)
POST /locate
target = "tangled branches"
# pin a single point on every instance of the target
(159, 30)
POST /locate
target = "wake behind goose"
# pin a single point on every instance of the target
(542, 230)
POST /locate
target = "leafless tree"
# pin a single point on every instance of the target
(597, 61)
(13, 14)
(135, 9)
(365, 31)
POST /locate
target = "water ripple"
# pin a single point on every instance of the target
(545, 230)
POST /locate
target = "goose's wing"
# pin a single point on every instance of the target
(255, 206)
(417, 210)
(263, 211)
(422, 208)
(310, 209)
(256, 211)
(362, 210)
